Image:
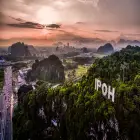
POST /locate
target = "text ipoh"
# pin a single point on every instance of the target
(107, 91)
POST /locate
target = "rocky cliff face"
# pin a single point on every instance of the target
(20, 49)
(49, 69)
(106, 49)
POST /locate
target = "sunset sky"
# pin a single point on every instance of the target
(44, 22)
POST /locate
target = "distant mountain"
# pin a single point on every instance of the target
(20, 49)
(106, 49)
(126, 42)
(84, 50)
(94, 42)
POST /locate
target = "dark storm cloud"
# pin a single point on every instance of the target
(27, 25)
(53, 26)
(20, 23)
(34, 25)
(18, 19)
(106, 31)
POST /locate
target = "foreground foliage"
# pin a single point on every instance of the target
(78, 112)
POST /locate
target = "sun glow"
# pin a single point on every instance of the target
(45, 31)
(47, 15)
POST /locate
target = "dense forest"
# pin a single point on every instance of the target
(76, 111)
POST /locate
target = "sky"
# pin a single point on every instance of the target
(45, 22)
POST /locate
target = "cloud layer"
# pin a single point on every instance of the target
(69, 19)
(114, 13)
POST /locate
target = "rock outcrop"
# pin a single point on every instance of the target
(106, 49)
(84, 50)
(49, 69)
(20, 49)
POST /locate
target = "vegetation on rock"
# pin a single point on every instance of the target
(49, 69)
